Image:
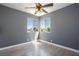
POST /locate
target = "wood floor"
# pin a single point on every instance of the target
(37, 49)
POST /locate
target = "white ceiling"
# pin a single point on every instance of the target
(21, 7)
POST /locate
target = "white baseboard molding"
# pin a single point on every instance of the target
(61, 46)
(12, 46)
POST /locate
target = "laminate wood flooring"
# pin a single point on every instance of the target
(37, 49)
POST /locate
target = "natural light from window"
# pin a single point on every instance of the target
(36, 25)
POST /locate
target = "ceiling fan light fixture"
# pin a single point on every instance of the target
(40, 7)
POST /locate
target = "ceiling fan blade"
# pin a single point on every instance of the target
(44, 11)
(48, 5)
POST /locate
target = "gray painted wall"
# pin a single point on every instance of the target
(14, 27)
(64, 27)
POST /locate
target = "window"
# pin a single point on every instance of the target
(45, 24)
(35, 25)
(32, 24)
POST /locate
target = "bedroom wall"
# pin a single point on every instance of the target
(14, 27)
(64, 27)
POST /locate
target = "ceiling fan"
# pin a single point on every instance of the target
(40, 8)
